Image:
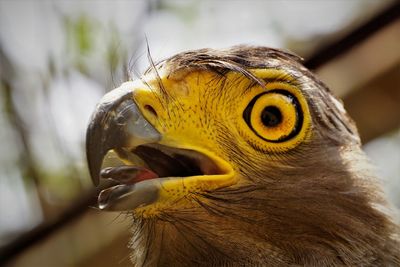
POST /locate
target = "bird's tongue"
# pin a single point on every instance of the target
(113, 197)
(128, 174)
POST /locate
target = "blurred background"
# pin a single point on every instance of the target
(57, 58)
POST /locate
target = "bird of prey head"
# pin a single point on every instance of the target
(239, 157)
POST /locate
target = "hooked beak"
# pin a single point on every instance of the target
(116, 123)
(151, 172)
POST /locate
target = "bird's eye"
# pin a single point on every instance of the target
(271, 116)
(274, 116)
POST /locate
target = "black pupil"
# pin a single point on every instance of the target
(271, 116)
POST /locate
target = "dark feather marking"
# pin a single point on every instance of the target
(312, 205)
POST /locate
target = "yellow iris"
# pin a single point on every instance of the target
(274, 116)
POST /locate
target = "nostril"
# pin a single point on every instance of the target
(151, 110)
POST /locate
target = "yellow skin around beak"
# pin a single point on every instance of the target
(238, 157)
(196, 110)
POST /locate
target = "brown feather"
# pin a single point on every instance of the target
(318, 205)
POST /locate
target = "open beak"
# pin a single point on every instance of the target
(117, 123)
(148, 171)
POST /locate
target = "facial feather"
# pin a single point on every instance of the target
(311, 200)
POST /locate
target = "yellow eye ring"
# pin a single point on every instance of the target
(275, 116)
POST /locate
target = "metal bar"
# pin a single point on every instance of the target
(356, 36)
(44, 230)
(321, 57)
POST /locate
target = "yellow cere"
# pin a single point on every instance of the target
(190, 109)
